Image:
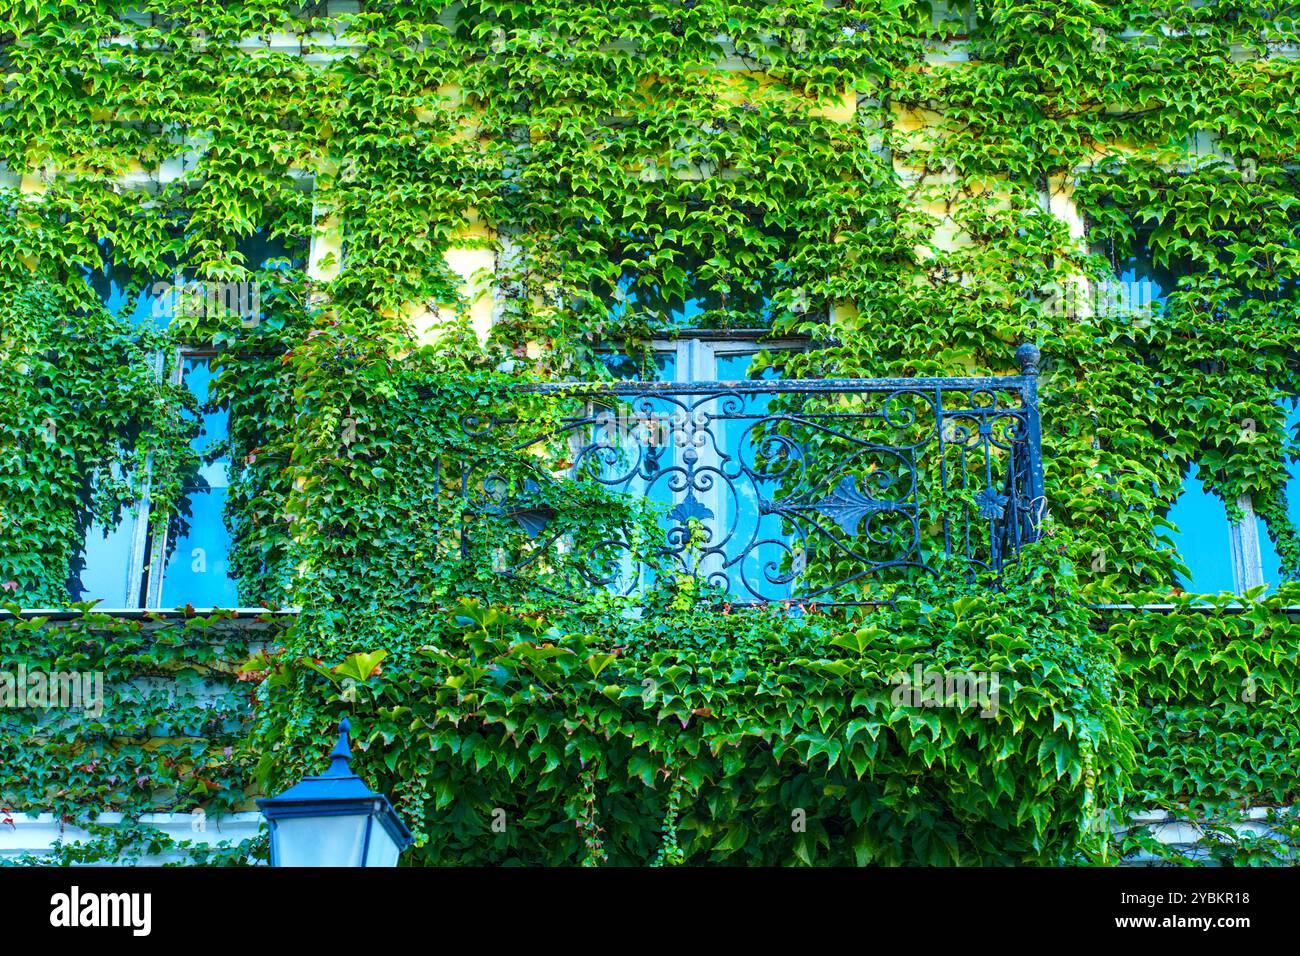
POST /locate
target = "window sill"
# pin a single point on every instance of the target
(143, 613)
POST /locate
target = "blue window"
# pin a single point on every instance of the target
(129, 565)
(192, 564)
(1203, 540)
(1225, 556)
(106, 570)
(1142, 283)
(695, 470)
(153, 303)
(1219, 555)
(1272, 570)
(766, 542)
(683, 300)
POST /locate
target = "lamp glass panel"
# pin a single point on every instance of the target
(382, 850)
(320, 841)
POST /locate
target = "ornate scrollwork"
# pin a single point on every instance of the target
(779, 490)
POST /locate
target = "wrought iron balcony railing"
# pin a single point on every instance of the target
(813, 490)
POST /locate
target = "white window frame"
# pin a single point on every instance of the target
(1244, 548)
(697, 354)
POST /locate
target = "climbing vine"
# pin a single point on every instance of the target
(910, 188)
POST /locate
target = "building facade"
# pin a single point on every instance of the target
(671, 393)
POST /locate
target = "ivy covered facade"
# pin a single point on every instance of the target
(293, 301)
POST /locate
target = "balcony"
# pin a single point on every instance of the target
(831, 491)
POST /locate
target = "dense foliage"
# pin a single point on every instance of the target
(752, 736)
(1214, 690)
(798, 165)
(83, 413)
(164, 737)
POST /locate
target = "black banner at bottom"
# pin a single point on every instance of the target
(218, 908)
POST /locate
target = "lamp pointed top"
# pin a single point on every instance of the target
(342, 753)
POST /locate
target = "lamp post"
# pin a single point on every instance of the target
(334, 819)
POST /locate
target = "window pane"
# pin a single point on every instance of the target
(111, 282)
(735, 368)
(1293, 468)
(1202, 539)
(690, 302)
(661, 367)
(1140, 284)
(1268, 551)
(1143, 283)
(630, 450)
(197, 570)
(155, 303)
(700, 457)
(105, 572)
(759, 549)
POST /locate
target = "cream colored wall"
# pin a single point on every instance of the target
(475, 262)
(325, 256)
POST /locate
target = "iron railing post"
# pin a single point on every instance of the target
(1029, 356)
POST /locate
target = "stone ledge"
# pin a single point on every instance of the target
(39, 832)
